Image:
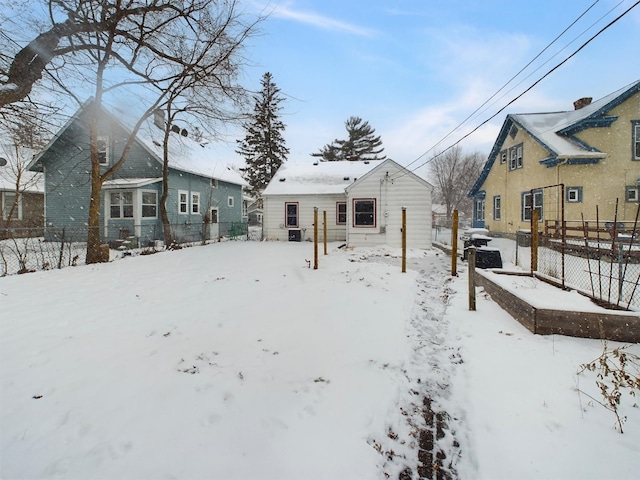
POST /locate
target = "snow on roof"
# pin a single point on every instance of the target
(29, 181)
(545, 126)
(187, 155)
(313, 177)
(130, 182)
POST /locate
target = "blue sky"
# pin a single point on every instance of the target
(416, 69)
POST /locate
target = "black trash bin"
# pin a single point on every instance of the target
(487, 257)
(295, 235)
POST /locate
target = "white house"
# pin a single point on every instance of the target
(362, 202)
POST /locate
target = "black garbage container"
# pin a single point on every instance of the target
(295, 235)
(487, 257)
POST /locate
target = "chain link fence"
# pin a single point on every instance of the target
(600, 258)
(24, 250)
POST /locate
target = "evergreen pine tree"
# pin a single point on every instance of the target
(361, 145)
(263, 147)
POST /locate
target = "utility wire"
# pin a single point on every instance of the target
(507, 83)
(554, 55)
(406, 170)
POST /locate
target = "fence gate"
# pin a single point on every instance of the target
(548, 203)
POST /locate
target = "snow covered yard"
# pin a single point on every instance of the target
(237, 361)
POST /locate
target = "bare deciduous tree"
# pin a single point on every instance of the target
(453, 174)
(159, 50)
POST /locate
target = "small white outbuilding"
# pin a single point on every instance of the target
(362, 201)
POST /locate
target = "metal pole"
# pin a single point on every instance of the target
(324, 235)
(315, 238)
(404, 239)
(454, 243)
(471, 256)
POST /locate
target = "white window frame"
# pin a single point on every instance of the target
(195, 203)
(142, 204)
(183, 202)
(574, 194)
(503, 156)
(103, 150)
(635, 140)
(245, 207)
(632, 194)
(230, 201)
(536, 204)
(7, 204)
(121, 205)
(480, 210)
(516, 159)
(497, 207)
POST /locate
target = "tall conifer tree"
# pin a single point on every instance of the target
(263, 147)
(361, 145)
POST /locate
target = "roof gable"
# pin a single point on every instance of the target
(385, 164)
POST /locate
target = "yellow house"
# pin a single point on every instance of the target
(585, 161)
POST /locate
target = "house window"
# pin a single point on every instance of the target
(341, 213)
(480, 210)
(183, 202)
(636, 139)
(230, 202)
(8, 200)
(574, 194)
(103, 150)
(503, 156)
(513, 131)
(121, 205)
(515, 157)
(214, 183)
(195, 202)
(149, 204)
(214, 215)
(291, 215)
(632, 193)
(497, 208)
(364, 212)
(245, 207)
(531, 202)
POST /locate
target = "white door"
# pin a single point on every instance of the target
(214, 229)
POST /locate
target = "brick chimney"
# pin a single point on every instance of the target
(582, 102)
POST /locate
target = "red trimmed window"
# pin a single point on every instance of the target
(341, 213)
(291, 215)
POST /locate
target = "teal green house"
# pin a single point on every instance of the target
(204, 197)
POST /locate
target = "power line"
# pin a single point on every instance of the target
(507, 83)
(518, 96)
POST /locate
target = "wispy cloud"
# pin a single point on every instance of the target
(286, 11)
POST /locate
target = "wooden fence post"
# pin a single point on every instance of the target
(404, 239)
(471, 257)
(315, 238)
(454, 243)
(324, 234)
(534, 240)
